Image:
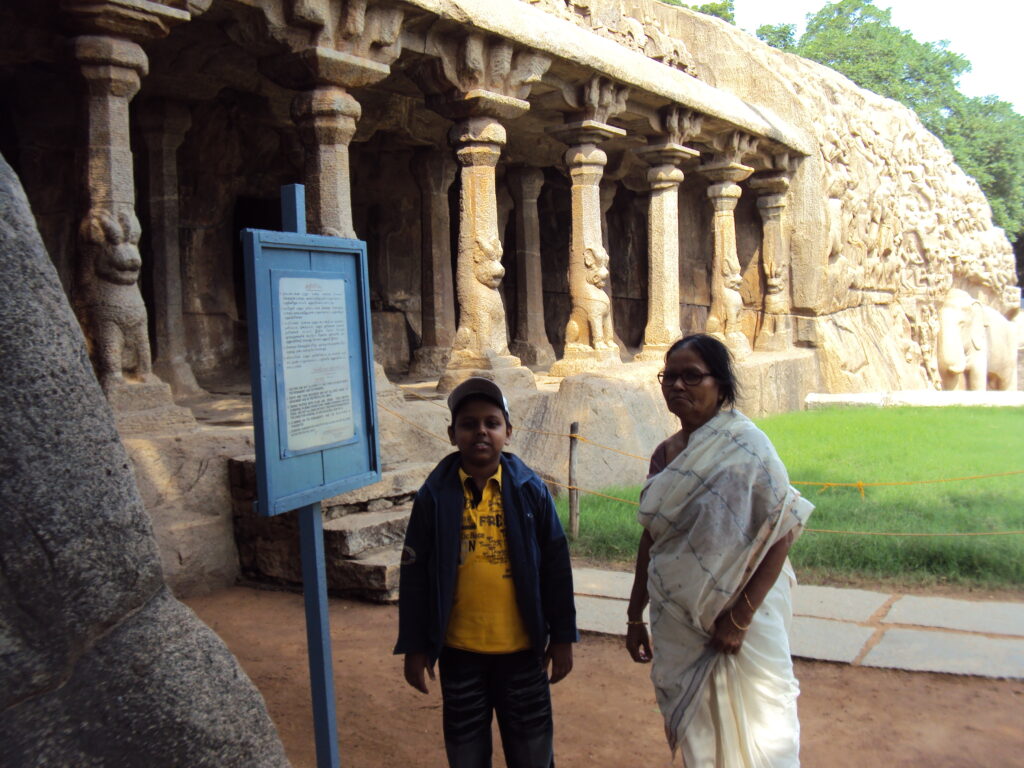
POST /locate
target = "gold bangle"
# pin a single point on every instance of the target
(738, 626)
(750, 605)
(630, 623)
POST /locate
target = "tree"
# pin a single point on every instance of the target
(726, 9)
(985, 136)
(781, 36)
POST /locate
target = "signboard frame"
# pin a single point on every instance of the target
(287, 480)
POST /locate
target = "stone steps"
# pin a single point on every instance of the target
(359, 532)
(363, 533)
(373, 575)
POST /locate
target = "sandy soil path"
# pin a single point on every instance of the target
(605, 714)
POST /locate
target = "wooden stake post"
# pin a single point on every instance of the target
(574, 494)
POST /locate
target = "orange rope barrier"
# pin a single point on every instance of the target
(413, 424)
(896, 533)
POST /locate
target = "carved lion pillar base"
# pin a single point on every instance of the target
(589, 336)
(480, 347)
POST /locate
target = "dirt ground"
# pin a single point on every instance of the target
(605, 713)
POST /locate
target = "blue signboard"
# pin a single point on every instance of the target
(314, 404)
(314, 410)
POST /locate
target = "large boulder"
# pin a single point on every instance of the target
(99, 664)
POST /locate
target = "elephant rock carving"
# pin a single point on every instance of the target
(962, 342)
(1001, 339)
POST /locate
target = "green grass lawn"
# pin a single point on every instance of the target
(847, 445)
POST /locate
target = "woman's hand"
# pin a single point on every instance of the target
(638, 643)
(729, 633)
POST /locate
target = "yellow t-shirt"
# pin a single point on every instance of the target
(485, 617)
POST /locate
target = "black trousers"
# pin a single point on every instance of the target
(513, 685)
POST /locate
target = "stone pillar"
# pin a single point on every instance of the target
(326, 117)
(107, 294)
(609, 188)
(531, 339)
(164, 125)
(665, 176)
(776, 330)
(481, 341)
(435, 172)
(106, 290)
(589, 337)
(726, 301)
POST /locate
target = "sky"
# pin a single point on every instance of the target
(988, 35)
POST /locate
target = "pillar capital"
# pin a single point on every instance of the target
(473, 75)
(111, 66)
(585, 132)
(666, 153)
(525, 183)
(326, 114)
(725, 174)
(478, 140)
(164, 123)
(130, 19)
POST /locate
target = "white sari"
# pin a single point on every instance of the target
(713, 513)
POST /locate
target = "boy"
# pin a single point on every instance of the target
(486, 589)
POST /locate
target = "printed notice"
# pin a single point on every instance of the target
(314, 345)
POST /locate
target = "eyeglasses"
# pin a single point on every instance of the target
(690, 378)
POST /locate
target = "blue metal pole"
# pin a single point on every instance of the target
(318, 635)
(293, 208)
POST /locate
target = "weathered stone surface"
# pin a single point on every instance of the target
(100, 665)
(354, 534)
(183, 480)
(622, 410)
(399, 480)
(158, 689)
(391, 342)
(372, 575)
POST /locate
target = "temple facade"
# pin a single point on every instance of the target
(542, 185)
(545, 187)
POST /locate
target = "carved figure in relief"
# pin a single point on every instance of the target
(107, 295)
(482, 325)
(962, 342)
(590, 323)
(1001, 340)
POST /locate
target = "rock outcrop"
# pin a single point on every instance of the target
(100, 664)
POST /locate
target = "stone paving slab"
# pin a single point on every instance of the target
(827, 640)
(836, 603)
(987, 618)
(923, 651)
(594, 581)
(598, 614)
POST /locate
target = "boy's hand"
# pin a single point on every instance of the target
(559, 655)
(415, 664)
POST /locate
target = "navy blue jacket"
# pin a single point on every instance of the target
(538, 555)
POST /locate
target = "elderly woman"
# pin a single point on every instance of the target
(719, 516)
